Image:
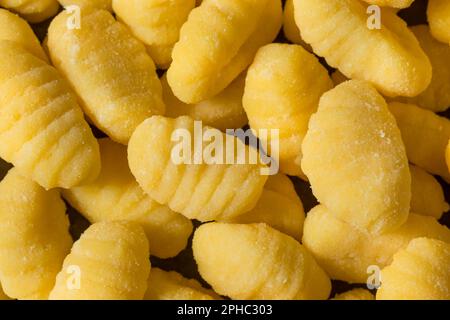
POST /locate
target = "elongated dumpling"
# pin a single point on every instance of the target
(34, 237)
(115, 195)
(109, 262)
(437, 96)
(254, 261)
(282, 91)
(290, 28)
(163, 156)
(100, 4)
(223, 111)
(163, 285)
(15, 29)
(109, 69)
(355, 294)
(42, 129)
(156, 23)
(439, 19)
(425, 136)
(390, 57)
(32, 10)
(218, 41)
(400, 4)
(419, 272)
(427, 196)
(279, 206)
(355, 159)
(346, 253)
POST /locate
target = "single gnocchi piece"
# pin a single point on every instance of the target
(421, 271)
(427, 196)
(163, 285)
(15, 29)
(425, 136)
(399, 4)
(346, 253)
(282, 91)
(355, 159)
(290, 29)
(33, 11)
(156, 23)
(254, 261)
(109, 262)
(223, 111)
(437, 96)
(115, 195)
(218, 42)
(99, 4)
(42, 129)
(110, 71)
(438, 13)
(361, 53)
(163, 157)
(279, 207)
(355, 294)
(34, 237)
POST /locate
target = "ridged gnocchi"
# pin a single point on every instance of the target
(198, 191)
(359, 52)
(279, 207)
(110, 71)
(32, 10)
(15, 29)
(282, 91)
(115, 195)
(163, 285)
(42, 129)
(34, 237)
(425, 136)
(109, 262)
(355, 294)
(346, 253)
(219, 41)
(254, 261)
(156, 23)
(223, 111)
(354, 158)
(100, 4)
(421, 271)
(438, 13)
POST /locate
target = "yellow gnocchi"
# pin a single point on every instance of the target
(360, 52)
(438, 13)
(346, 253)
(223, 111)
(156, 23)
(32, 10)
(254, 261)
(194, 188)
(282, 91)
(115, 195)
(427, 196)
(110, 71)
(15, 29)
(425, 136)
(400, 4)
(355, 294)
(290, 29)
(34, 237)
(418, 272)
(163, 285)
(279, 207)
(42, 129)
(219, 41)
(109, 262)
(354, 158)
(100, 4)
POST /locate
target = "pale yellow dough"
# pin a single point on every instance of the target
(99, 4)
(400, 4)
(439, 19)
(33, 11)
(290, 29)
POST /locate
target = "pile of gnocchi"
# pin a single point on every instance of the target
(90, 113)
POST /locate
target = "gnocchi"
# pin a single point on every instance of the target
(439, 19)
(219, 41)
(115, 195)
(34, 237)
(354, 158)
(290, 29)
(110, 71)
(254, 261)
(32, 10)
(109, 262)
(42, 129)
